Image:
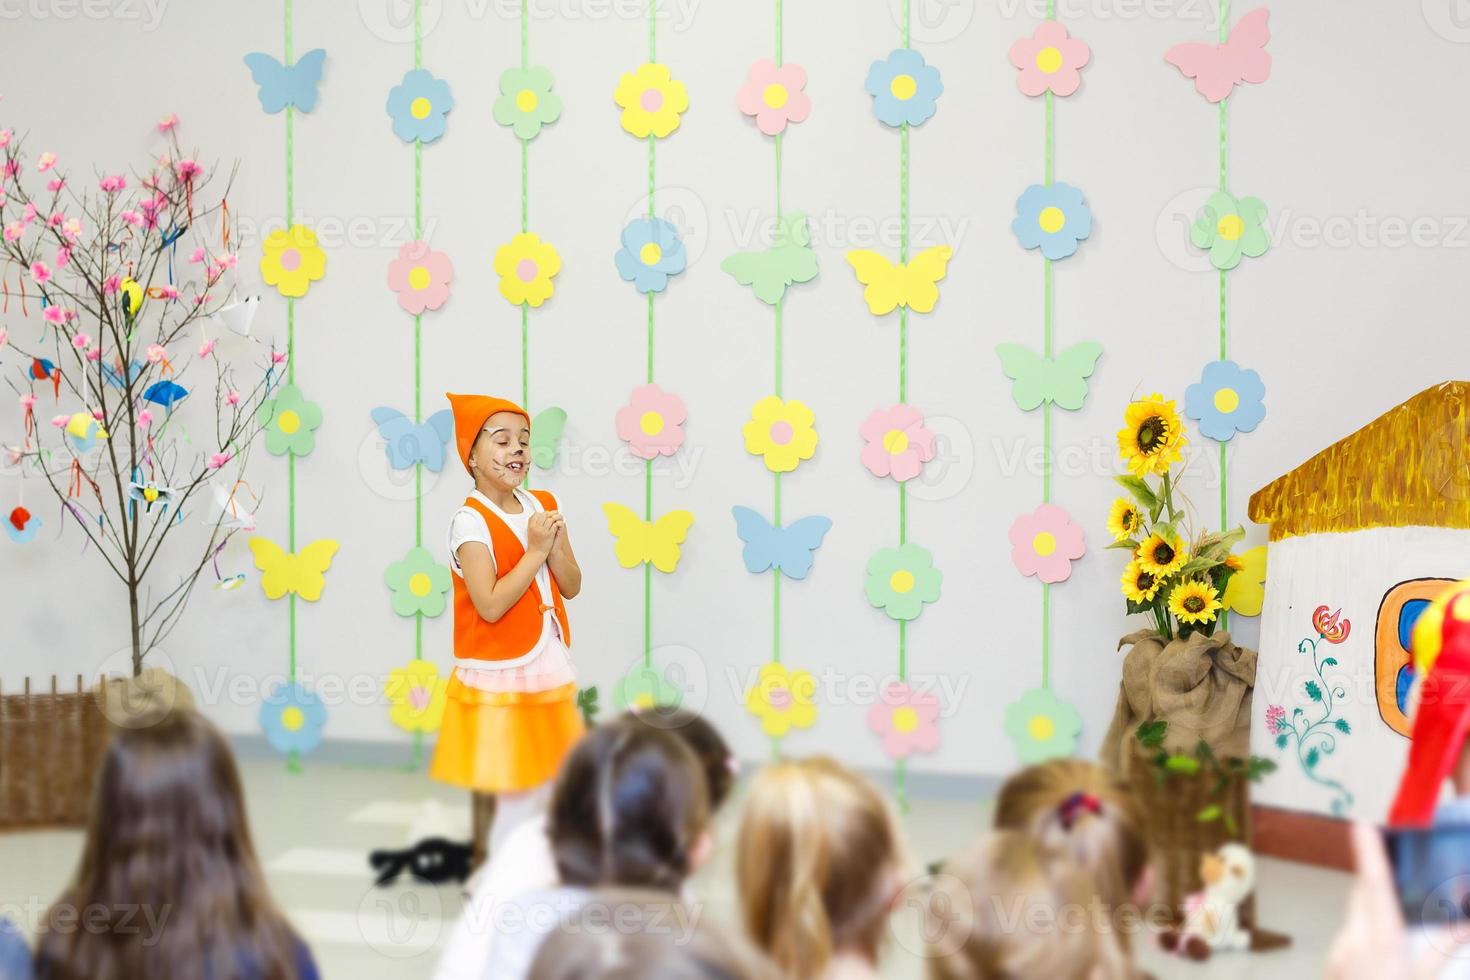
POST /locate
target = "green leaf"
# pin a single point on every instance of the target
(1127, 544)
(1342, 726)
(1151, 734)
(1256, 767)
(1183, 764)
(587, 704)
(1198, 564)
(1313, 691)
(1281, 740)
(1313, 757)
(1209, 813)
(1141, 492)
(1205, 754)
(1329, 661)
(1231, 827)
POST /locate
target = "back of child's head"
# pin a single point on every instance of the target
(818, 863)
(1010, 908)
(629, 809)
(1087, 813)
(705, 741)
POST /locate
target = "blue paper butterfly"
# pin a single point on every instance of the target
(409, 442)
(281, 86)
(789, 548)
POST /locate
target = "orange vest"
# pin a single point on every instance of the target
(518, 630)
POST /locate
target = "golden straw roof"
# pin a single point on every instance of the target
(1409, 467)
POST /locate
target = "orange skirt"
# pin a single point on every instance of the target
(504, 743)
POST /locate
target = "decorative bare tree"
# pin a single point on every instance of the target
(123, 273)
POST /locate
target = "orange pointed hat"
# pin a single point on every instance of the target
(1441, 648)
(470, 413)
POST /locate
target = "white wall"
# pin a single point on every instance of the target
(1354, 129)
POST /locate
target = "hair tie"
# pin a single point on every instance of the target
(1073, 805)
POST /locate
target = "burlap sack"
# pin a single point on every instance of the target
(1201, 686)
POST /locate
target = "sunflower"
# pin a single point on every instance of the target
(1152, 438)
(1161, 557)
(1139, 587)
(1125, 519)
(1194, 602)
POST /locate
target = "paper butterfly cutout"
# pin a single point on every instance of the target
(788, 549)
(790, 259)
(1062, 379)
(915, 285)
(638, 541)
(1217, 69)
(301, 573)
(281, 86)
(408, 442)
(150, 493)
(546, 433)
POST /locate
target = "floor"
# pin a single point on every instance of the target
(314, 832)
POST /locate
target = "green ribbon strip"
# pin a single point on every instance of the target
(1224, 333)
(291, 351)
(418, 334)
(648, 464)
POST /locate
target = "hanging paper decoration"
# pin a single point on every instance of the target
(790, 259)
(1227, 400)
(150, 495)
(420, 276)
(1245, 593)
(546, 432)
(911, 285)
(417, 695)
(83, 431)
(1045, 542)
(897, 443)
(1039, 379)
(238, 316)
(1053, 219)
(907, 721)
(233, 513)
(165, 394)
(789, 550)
(291, 261)
(1042, 727)
(526, 101)
(526, 267)
(292, 717)
(644, 688)
(904, 88)
(1050, 60)
(782, 432)
(902, 580)
(409, 443)
(1231, 229)
(419, 106)
(774, 95)
(652, 423)
(419, 584)
(651, 253)
(640, 541)
(282, 85)
(21, 526)
(289, 422)
(1217, 69)
(301, 574)
(651, 100)
(782, 699)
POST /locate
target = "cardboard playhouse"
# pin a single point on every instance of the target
(1362, 536)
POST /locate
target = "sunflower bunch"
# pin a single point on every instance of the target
(1176, 578)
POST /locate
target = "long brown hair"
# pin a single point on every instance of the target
(168, 884)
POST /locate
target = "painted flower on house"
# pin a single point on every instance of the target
(418, 106)
(1276, 719)
(897, 443)
(783, 433)
(782, 699)
(420, 276)
(526, 101)
(1045, 542)
(774, 96)
(904, 88)
(526, 267)
(1042, 727)
(651, 253)
(1053, 219)
(416, 693)
(291, 261)
(1332, 627)
(906, 720)
(644, 689)
(1050, 60)
(419, 584)
(902, 580)
(289, 422)
(651, 100)
(1231, 229)
(652, 423)
(292, 717)
(1227, 400)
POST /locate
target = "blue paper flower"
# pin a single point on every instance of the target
(1053, 219)
(1227, 400)
(905, 90)
(651, 253)
(292, 717)
(418, 106)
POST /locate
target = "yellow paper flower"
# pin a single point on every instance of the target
(526, 267)
(1124, 520)
(291, 261)
(417, 693)
(782, 432)
(1194, 602)
(1160, 557)
(782, 699)
(651, 100)
(1245, 593)
(1152, 438)
(1139, 586)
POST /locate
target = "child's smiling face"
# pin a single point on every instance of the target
(502, 451)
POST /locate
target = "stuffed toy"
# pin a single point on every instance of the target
(1212, 917)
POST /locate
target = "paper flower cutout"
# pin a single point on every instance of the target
(1045, 542)
(409, 444)
(782, 699)
(1053, 219)
(1226, 400)
(289, 422)
(644, 688)
(1217, 69)
(898, 445)
(1042, 727)
(526, 267)
(281, 86)
(420, 277)
(774, 95)
(1231, 229)
(419, 584)
(418, 105)
(790, 549)
(790, 259)
(526, 101)
(638, 541)
(292, 716)
(417, 694)
(905, 90)
(1245, 593)
(652, 423)
(889, 285)
(291, 261)
(906, 720)
(651, 253)
(783, 433)
(22, 526)
(1061, 380)
(1049, 60)
(302, 574)
(546, 432)
(901, 580)
(651, 100)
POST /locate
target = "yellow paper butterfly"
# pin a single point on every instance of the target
(639, 541)
(301, 573)
(915, 285)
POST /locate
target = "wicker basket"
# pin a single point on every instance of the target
(51, 744)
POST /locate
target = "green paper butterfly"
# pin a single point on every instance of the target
(1062, 380)
(790, 259)
(546, 432)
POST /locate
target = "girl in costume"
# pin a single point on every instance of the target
(511, 714)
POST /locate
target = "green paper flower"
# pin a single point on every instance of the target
(290, 422)
(419, 584)
(902, 579)
(1042, 726)
(526, 101)
(644, 688)
(1230, 228)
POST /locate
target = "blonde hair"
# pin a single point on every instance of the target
(1010, 908)
(817, 863)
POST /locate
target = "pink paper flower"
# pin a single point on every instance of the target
(145, 418)
(112, 285)
(906, 720)
(167, 291)
(168, 122)
(278, 357)
(12, 168)
(81, 341)
(114, 183)
(41, 273)
(186, 169)
(55, 185)
(4, 336)
(420, 277)
(55, 220)
(5, 135)
(95, 354)
(205, 349)
(652, 423)
(233, 398)
(63, 256)
(133, 218)
(28, 214)
(56, 316)
(1045, 542)
(156, 354)
(71, 228)
(45, 162)
(775, 96)
(27, 401)
(1050, 60)
(227, 261)
(196, 256)
(14, 231)
(219, 459)
(60, 421)
(898, 445)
